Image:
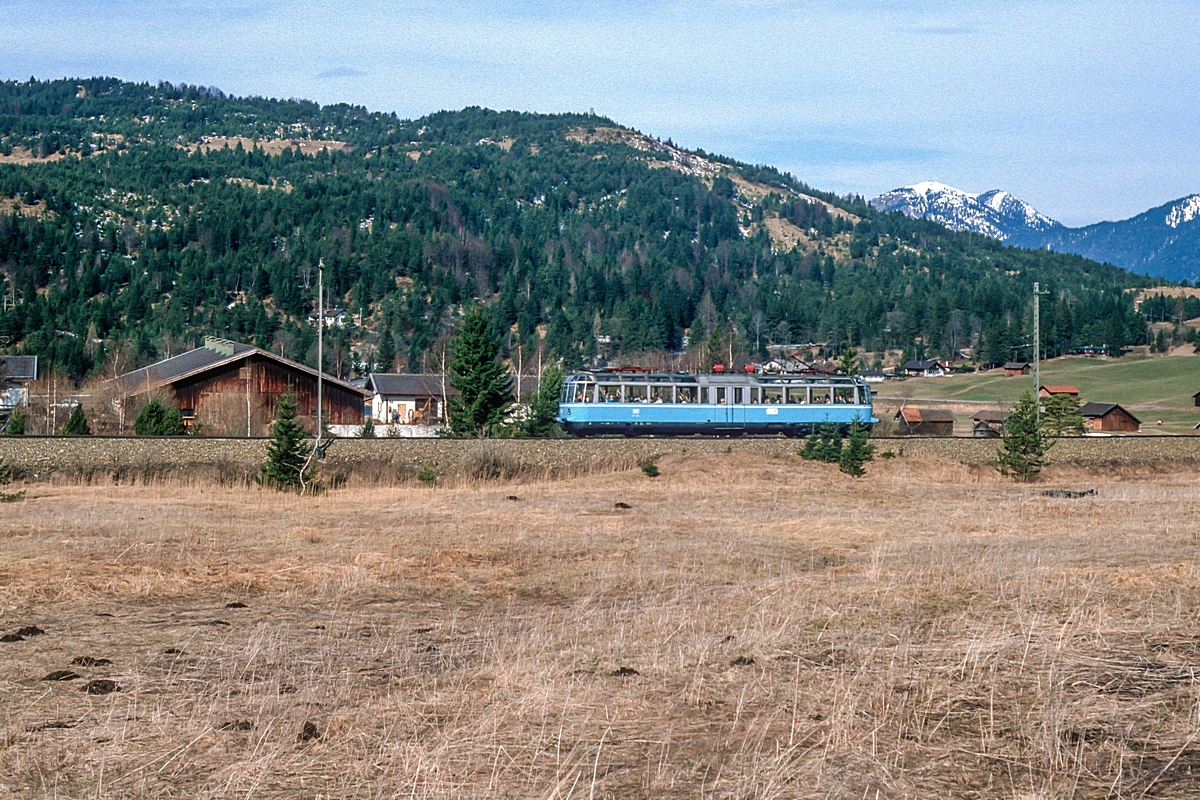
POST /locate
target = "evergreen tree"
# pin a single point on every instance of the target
(848, 361)
(16, 424)
(823, 444)
(1160, 343)
(368, 429)
(543, 407)
(857, 450)
(386, 355)
(483, 382)
(155, 419)
(77, 424)
(287, 452)
(1024, 444)
(1062, 417)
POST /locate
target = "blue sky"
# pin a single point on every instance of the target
(1087, 110)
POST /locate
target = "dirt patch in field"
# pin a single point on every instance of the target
(271, 147)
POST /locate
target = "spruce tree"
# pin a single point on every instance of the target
(1024, 444)
(483, 383)
(368, 429)
(857, 450)
(16, 424)
(155, 419)
(288, 450)
(77, 424)
(386, 354)
(848, 361)
(1062, 416)
(823, 444)
(543, 408)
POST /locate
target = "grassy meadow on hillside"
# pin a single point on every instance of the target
(741, 626)
(1152, 388)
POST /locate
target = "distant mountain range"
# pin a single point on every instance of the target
(1164, 241)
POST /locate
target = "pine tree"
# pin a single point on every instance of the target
(287, 452)
(16, 424)
(155, 419)
(77, 424)
(1062, 417)
(483, 383)
(368, 429)
(1024, 445)
(543, 408)
(385, 356)
(857, 451)
(848, 361)
(823, 444)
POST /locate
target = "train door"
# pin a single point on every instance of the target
(738, 401)
(719, 397)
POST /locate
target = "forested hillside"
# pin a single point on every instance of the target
(137, 218)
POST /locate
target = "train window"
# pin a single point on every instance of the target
(685, 394)
(797, 395)
(635, 392)
(819, 394)
(583, 392)
(609, 393)
(772, 394)
(739, 395)
(843, 394)
(718, 395)
(660, 394)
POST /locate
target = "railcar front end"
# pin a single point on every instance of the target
(636, 403)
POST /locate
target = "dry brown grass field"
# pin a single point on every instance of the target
(747, 628)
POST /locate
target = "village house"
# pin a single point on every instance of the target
(988, 423)
(1109, 417)
(1014, 368)
(233, 389)
(398, 399)
(1045, 392)
(874, 375)
(334, 318)
(930, 368)
(924, 422)
(16, 373)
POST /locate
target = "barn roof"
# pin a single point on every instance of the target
(1016, 365)
(989, 415)
(916, 416)
(1064, 389)
(18, 368)
(215, 352)
(399, 383)
(929, 364)
(1094, 409)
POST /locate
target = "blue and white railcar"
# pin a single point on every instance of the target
(642, 403)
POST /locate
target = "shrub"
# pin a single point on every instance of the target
(650, 470)
(427, 475)
(823, 444)
(368, 429)
(16, 424)
(6, 474)
(155, 419)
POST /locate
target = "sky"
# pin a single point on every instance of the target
(1087, 109)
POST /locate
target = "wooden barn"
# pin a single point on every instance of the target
(1014, 368)
(924, 422)
(232, 389)
(1109, 417)
(1046, 391)
(988, 423)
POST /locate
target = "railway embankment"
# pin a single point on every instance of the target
(385, 461)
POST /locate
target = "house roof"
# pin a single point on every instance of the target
(1064, 389)
(215, 352)
(18, 368)
(929, 364)
(873, 373)
(419, 385)
(989, 415)
(1016, 365)
(1094, 409)
(916, 416)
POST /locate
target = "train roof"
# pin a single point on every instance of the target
(646, 376)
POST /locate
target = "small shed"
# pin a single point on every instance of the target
(1109, 417)
(988, 423)
(16, 373)
(924, 422)
(1015, 368)
(1196, 398)
(1046, 391)
(924, 368)
(409, 399)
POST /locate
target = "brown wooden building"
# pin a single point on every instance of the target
(1109, 417)
(924, 422)
(233, 389)
(988, 423)
(1014, 368)
(1046, 391)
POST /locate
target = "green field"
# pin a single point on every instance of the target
(1151, 388)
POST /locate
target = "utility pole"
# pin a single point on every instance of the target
(1037, 343)
(320, 342)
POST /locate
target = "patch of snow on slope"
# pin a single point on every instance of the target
(1185, 210)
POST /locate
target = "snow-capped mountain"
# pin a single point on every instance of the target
(1164, 241)
(995, 213)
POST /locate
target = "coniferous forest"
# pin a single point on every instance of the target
(137, 218)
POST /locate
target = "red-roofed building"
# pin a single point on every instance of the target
(1046, 391)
